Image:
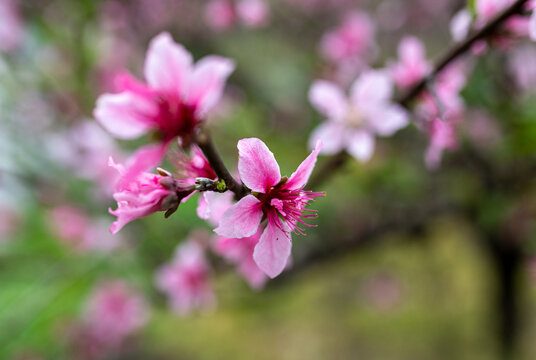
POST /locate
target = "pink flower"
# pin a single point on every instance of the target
(176, 99)
(532, 25)
(442, 137)
(212, 206)
(113, 312)
(220, 14)
(282, 200)
(11, 26)
(352, 123)
(186, 280)
(412, 65)
(351, 40)
(253, 13)
(460, 25)
(240, 252)
(74, 227)
(145, 195)
(522, 67)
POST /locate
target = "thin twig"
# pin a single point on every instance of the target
(335, 162)
(461, 48)
(203, 140)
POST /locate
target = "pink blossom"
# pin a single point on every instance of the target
(176, 99)
(352, 40)
(460, 25)
(282, 200)
(186, 279)
(113, 312)
(532, 22)
(442, 137)
(77, 230)
(240, 252)
(220, 14)
(522, 67)
(352, 123)
(412, 65)
(441, 110)
(253, 13)
(212, 206)
(11, 26)
(144, 195)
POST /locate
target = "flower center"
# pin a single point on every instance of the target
(354, 118)
(175, 118)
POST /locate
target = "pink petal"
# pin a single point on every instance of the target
(242, 219)
(411, 49)
(300, 177)
(273, 250)
(253, 13)
(208, 81)
(371, 88)
(389, 120)
(360, 145)
(257, 166)
(146, 158)
(460, 25)
(125, 115)
(331, 133)
(168, 65)
(328, 99)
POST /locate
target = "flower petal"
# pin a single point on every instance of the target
(208, 81)
(257, 165)
(328, 99)
(146, 158)
(242, 219)
(371, 88)
(168, 65)
(125, 115)
(360, 145)
(389, 120)
(331, 133)
(273, 250)
(299, 178)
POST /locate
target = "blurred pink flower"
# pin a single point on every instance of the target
(84, 150)
(212, 206)
(253, 13)
(223, 14)
(77, 230)
(144, 195)
(522, 67)
(175, 101)
(240, 252)
(352, 40)
(186, 279)
(220, 14)
(412, 65)
(460, 25)
(440, 110)
(442, 137)
(352, 123)
(11, 26)
(282, 200)
(113, 312)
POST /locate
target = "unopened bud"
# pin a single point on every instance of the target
(163, 172)
(168, 182)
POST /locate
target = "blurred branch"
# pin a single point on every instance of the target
(462, 47)
(337, 161)
(203, 140)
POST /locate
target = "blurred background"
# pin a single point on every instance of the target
(407, 262)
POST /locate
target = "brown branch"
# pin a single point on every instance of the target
(203, 140)
(461, 48)
(336, 162)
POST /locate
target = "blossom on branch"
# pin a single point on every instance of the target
(172, 104)
(412, 65)
(352, 122)
(281, 200)
(146, 194)
(186, 279)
